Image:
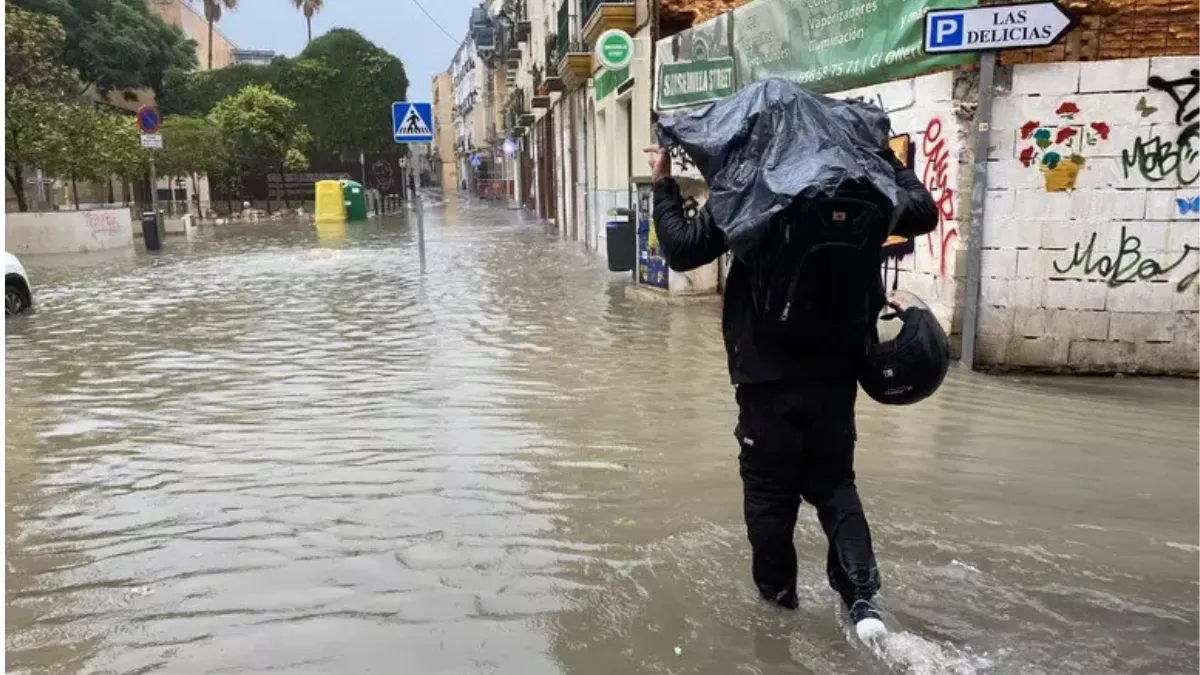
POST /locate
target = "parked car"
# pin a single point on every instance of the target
(18, 292)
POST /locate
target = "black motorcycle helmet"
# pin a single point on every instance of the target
(908, 363)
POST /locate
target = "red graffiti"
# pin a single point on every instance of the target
(1065, 134)
(101, 225)
(1067, 109)
(937, 158)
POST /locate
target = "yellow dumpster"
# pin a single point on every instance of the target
(331, 205)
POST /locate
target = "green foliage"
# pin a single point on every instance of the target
(354, 107)
(196, 93)
(296, 160)
(258, 127)
(33, 52)
(191, 146)
(71, 140)
(24, 135)
(117, 44)
(121, 153)
(88, 143)
(343, 86)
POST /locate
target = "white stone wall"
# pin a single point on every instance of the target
(68, 231)
(923, 108)
(1098, 274)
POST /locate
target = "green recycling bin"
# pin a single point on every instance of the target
(356, 201)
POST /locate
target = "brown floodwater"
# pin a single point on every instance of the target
(277, 449)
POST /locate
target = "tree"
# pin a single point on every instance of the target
(196, 93)
(341, 76)
(88, 143)
(192, 146)
(309, 8)
(36, 82)
(124, 155)
(117, 44)
(29, 116)
(368, 79)
(258, 128)
(33, 52)
(212, 14)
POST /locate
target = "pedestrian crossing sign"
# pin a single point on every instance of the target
(412, 122)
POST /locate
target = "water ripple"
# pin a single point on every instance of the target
(277, 450)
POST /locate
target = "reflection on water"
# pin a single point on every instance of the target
(278, 448)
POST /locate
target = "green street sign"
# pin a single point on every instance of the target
(688, 83)
(614, 49)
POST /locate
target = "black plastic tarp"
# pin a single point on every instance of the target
(772, 143)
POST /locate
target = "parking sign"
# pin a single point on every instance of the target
(995, 27)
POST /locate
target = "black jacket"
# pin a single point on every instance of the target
(752, 358)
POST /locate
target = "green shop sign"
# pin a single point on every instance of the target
(688, 83)
(608, 81)
(822, 45)
(614, 49)
(834, 45)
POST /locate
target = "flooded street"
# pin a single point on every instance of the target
(273, 449)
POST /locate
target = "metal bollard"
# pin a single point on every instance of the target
(150, 231)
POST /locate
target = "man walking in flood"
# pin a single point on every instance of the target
(796, 405)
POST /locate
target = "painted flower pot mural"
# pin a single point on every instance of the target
(1057, 148)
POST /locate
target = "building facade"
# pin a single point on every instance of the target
(1090, 244)
(190, 18)
(445, 166)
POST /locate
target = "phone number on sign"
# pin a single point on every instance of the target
(855, 66)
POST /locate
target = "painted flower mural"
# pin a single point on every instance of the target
(1057, 147)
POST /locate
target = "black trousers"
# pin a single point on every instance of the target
(797, 443)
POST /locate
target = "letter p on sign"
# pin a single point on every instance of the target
(947, 31)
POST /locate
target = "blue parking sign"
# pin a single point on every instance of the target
(944, 31)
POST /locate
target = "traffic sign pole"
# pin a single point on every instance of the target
(153, 187)
(420, 208)
(412, 123)
(149, 121)
(986, 30)
(979, 182)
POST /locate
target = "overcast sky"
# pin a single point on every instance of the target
(395, 25)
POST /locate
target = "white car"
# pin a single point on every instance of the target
(18, 293)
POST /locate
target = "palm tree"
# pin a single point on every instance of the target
(309, 7)
(212, 14)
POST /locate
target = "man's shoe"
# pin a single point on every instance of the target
(786, 598)
(868, 622)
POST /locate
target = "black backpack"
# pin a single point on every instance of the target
(816, 275)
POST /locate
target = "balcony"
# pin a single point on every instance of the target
(514, 57)
(540, 102)
(574, 58)
(552, 81)
(602, 15)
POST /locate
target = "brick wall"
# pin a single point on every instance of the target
(1091, 233)
(1120, 29)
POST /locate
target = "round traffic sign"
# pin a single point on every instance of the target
(614, 49)
(148, 119)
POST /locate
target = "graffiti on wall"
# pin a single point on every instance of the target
(1169, 154)
(1188, 205)
(1130, 264)
(1057, 148)
(936, 178)
(101, 225)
